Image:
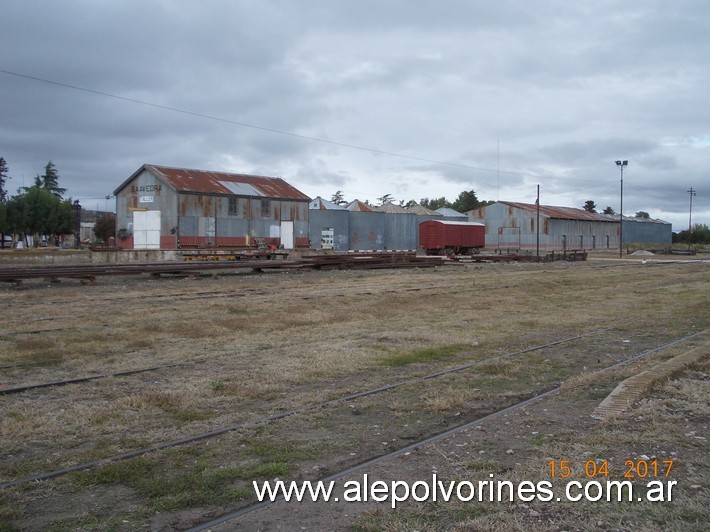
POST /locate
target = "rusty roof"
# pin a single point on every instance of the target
(391, 208)
(207, 182)
(564, 213)
(357, 205)
(421, 210)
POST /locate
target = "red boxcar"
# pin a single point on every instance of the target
(438, 237)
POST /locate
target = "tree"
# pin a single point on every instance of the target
(105, 228)
(4, 227)
(338, 198)
(434, 204)
(608, 210)
(3, 180)
(467, 201)
(50, 180)
(387, 198)
(590, 206)
(700, 234)
(642, 214)
(39, 212)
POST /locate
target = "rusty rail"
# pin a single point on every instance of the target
(343, 261)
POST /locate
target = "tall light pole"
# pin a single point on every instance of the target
(691, 192)
(621, 165)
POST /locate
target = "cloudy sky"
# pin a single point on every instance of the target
(371, 97)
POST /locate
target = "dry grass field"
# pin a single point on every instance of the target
(227, 351)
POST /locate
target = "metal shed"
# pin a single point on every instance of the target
(329, 225)
(647, 231)
(513, 226)
(160, 207)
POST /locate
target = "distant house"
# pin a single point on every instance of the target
(163, 207)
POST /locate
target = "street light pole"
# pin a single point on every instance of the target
(621, 165)
(77, 224)
(691, 192)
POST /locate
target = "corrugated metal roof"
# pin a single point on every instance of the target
(320, 204)
(201, 181)
(645, 220)
(391, 208)
(448, 212)
(241, 189)
(421, 210)
(357, 205)
(564, 213)
(453, 222)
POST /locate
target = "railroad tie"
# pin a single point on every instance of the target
(630, 390)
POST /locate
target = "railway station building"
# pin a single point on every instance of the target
(160, 207)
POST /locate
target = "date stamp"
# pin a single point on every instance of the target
(632, 469)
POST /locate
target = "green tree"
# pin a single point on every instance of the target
(38, 212)
(3, 180)
(642, 214)
(467, 201)
(434, 204)
(387, 198)
(50, 180)
(700, 234)
(4, 227)
(105, 228)
(338, 198)
(590, 206)
(608, 210)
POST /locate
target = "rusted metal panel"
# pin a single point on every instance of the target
(366, 230)
(512, 226)
(439, 235)
(206, 182)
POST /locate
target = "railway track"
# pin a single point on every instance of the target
(536, 395)
(341, 262)
(88, 378)
(263, 419)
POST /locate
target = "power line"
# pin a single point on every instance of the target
(280, 132)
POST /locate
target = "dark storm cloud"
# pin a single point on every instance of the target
(517, 93)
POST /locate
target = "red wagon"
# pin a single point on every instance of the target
(441, 237)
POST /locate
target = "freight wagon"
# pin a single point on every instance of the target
(437, 237)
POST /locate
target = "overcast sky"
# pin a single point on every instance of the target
(371, 97)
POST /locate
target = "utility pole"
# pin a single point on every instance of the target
(621, 165)
(691, 193)
(77, 224)
(537, 224)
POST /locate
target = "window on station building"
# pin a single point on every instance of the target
(233, 209)
(265, 208)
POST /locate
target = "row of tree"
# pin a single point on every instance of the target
(699, 234)
(38, 210)
(466, 201)
(590, 206)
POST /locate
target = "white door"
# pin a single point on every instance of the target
(287, 234)
(146, 229)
